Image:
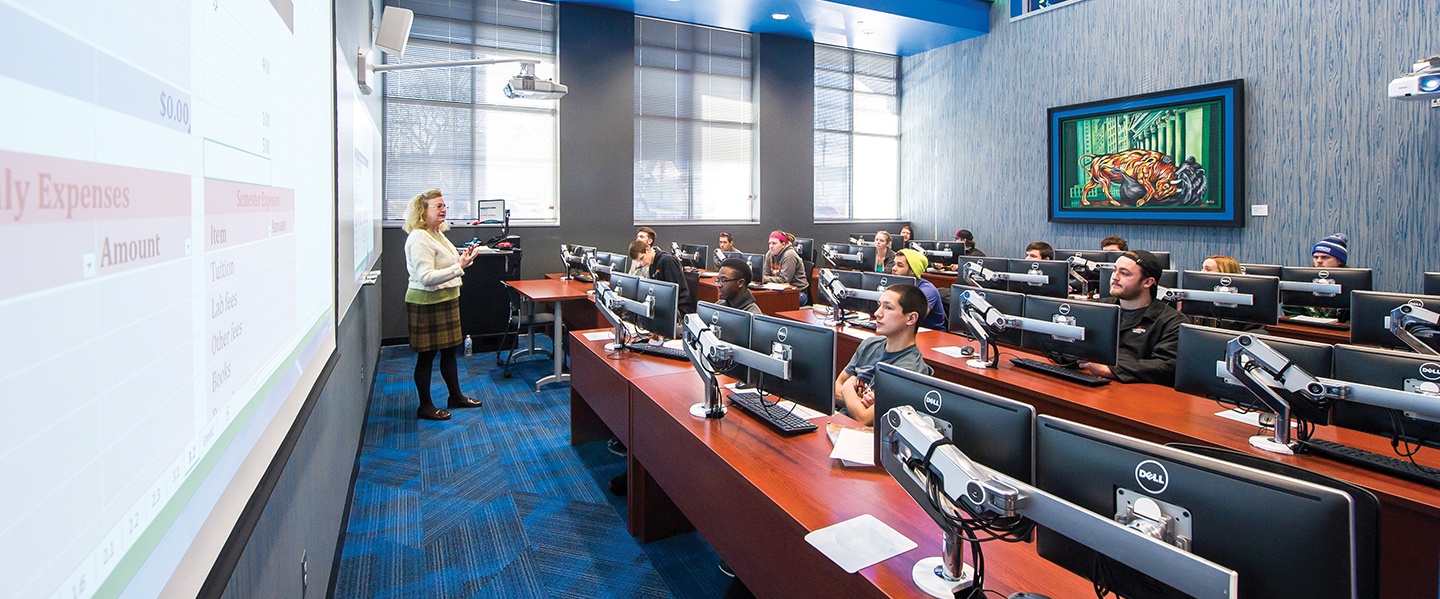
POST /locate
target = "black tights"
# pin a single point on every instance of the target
(423, 363)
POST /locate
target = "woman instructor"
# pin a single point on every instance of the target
(432, 301)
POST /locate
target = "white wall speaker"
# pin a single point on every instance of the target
(394, 30)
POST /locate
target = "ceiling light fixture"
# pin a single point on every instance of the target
(779, 16)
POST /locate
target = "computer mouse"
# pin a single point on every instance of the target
(1025, 595)
(504, 245)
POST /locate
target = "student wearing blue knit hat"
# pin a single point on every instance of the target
(1332, 251)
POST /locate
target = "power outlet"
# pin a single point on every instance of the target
(304, 572)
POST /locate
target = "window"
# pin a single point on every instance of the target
(454, 130)
(857, 135)
(694, 123)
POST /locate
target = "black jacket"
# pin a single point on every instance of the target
(1148, 350)
(667, 268)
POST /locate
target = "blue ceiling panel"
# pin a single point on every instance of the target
(901, 27)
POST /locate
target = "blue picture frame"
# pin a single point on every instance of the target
(1174, 157)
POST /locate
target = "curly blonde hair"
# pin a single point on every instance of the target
(415, 213)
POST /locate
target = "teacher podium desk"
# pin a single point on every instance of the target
(1410, 512)
(754, 494)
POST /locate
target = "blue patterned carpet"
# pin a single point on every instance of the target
(495, 502)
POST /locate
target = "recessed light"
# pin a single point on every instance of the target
(868, 32)
(779, 16)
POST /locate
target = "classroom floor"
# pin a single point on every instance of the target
(495, 502)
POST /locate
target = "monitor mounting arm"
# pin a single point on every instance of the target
(1410, 322)
(983, 319)
(711, 356)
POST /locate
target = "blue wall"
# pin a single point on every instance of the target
(1326, 150)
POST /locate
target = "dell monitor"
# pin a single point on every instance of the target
(1113, 255)
(729, 325)
(1349, 280)
(1200, 368)
(573, 257)
(992, 430)
(862, 238)
(811, 352)
(1431, 284)
(988, 263)
(941, 253)
(854, 257)
(694, 256)
(1404, 371)
(1169, 279)
(665, 312)
(1058, 272)
(1100, 321)
(1264, 270)
(853, 279)
(1009, 304)
(757, 265)
(872, 281)
(1283, 537)
(1370, 318)
(806, 247)
(1264, 295)
(617, 262)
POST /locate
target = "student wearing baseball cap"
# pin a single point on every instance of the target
(910, 263)
(966, 237)
(1149, 329)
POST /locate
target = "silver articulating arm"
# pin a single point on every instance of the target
(983, 320)
(595, 267)
(1410, 322)
(1215, 297)
(833, 257)
(675, 249)
(1081, 263)
(932, 253)
(719, 257)
(914, 452)
(975, 272)
(710, 356)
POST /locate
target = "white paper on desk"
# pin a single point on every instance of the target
(953, 351)
(1314, 319)
(855, 448)
(859, 332)
(775, 286)
(599, 335)
(859, 542)
(674, 344)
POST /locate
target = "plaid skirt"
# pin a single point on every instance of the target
(434, 326)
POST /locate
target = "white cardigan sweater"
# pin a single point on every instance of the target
(433, 265)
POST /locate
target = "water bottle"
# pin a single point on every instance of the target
(469, 347)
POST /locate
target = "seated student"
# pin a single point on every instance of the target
(1039, 250)
(902, 307)
(1330, 252)
(662, 266)
(968, 238)
(784, 265)
(1220, 263)
(910, 263)
(727, 243)
(906, 235)
(647, 235)
(1149, 329)
(733, 282)
(1114, 243)
(884, 256)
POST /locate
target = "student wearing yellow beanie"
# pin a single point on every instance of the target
(910, 263)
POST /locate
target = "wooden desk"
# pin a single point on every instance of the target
(1410, 515)
(754, 495)
(580, 314)
(556, 292)
(1329, 335)
(771, 301)
(939, 280)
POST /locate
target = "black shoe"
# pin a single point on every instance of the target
(463, 402)
(725, 569)
(432, 413)
(616, 447)
(620, 485)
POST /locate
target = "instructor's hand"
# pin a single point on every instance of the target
(467, 257)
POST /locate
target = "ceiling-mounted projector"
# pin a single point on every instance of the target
(1422, 83)
(526, 87)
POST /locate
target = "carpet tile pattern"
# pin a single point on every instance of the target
(495, 502)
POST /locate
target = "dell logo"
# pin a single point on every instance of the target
(1416, 302)
(715, 318)
(1224, 281)
(932, 401)
(1324, 274)
(884, 281)
(782, 334)
(1064, 309)
(1152, 476)
(1430, 370)
(1034, 266)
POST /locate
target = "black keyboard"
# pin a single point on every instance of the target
(1392, 465)
(1074, 376)
(868, 325)
(582, 278)
(777, 417)
(657, 350)
(937, 271)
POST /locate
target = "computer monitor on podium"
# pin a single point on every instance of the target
(811, 351)
(1009, 304)
(1200, 368)
(1349, 279)
(1058, 272)
(1100, 321)
(1370, 318)
(1405, 371)
(992, 430)
(1283, 537)
(1264, 295)
(665, 313)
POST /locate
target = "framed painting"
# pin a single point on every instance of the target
(1174, 157)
